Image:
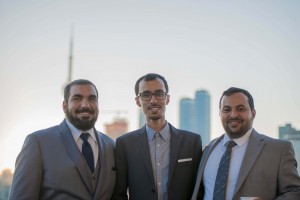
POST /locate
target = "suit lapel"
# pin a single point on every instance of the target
(74, 153)
(143, 145)
(174, 150)
(206, 152)
(100, 163)
(254, 148)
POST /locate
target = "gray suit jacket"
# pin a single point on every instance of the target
(268, 170)
(134, 168)
(50, 166)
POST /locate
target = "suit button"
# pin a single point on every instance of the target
(153, 190)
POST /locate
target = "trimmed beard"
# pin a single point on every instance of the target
(81, 124)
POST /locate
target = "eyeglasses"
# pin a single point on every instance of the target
(146, 96)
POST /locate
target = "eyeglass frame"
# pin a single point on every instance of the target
(153, 94)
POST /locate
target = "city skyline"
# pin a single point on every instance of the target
(195, 45)
(288, 132)
(194, 115)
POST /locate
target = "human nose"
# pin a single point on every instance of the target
(233, 113)
(85, 103)
(153, 99)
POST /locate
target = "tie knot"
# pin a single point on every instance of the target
(230, 144)
(84, 136)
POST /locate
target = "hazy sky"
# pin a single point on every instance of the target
(195, 44)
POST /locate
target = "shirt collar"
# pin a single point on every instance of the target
(76, 132)
(164, 132)
(239, 141)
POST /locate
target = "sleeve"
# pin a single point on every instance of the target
(288, 178)
(28, 173)
(121, 185)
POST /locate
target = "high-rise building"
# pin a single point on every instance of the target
(118, 127)
(142, 118)
(5, 183)
(186, 109)
(289, 133)
(195, 115)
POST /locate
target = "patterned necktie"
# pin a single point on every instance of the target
(222, 175)
(87, 151)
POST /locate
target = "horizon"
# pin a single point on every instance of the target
(194, 45)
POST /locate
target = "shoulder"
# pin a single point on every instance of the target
(271, 142)
(50, 131)
(105, 137)
(184, 133)
(131, 135)
(45, 133)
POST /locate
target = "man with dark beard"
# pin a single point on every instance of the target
(158, 161)
(71, 160)
(244, 163)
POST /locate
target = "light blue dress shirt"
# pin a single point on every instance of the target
(159, 144)
(212, 165)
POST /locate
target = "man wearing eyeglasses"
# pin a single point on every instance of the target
(158, 161)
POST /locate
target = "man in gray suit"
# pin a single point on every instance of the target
(260, 166)
(53, 164)
(158, 161)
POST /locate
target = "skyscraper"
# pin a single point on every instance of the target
(186, 109)
(142, 118)
(195, 115)
(289, 133)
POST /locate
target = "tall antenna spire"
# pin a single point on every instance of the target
(70, 56)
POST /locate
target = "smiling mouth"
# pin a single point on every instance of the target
(234, 123)
(85, 113)
(153, 107)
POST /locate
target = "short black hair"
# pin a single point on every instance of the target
(150, 77)
(233, 90)
(76, 82)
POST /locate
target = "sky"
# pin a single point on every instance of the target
(194, 44)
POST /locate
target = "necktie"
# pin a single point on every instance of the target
(222, 175)
(87, 151)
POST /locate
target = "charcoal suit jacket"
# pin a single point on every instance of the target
(134, 168)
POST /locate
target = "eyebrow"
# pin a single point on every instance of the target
(159, 90)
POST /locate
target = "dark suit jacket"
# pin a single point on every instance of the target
(268, 170)
(134, 168)
(50, 166)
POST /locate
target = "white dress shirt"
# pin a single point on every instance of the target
(92, 140)
(212, 165)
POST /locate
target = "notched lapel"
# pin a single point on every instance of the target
(143, 145)
(253, 150)
(175, 142)
(74, 153)
(206, 152)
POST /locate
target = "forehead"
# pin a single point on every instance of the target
(152, 85)
(235, 99)
(84, 90)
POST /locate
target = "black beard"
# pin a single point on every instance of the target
(81, 124)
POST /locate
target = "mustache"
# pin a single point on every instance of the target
(84, 110)
(235, 119)
(153, 106)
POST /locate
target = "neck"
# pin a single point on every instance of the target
(157, 125)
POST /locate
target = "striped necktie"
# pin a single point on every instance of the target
(222, 175)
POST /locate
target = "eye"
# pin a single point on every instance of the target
(159, 94)
(146, 94)
(76, 98)
(241, 109)
(226, 110)
(93, 98)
